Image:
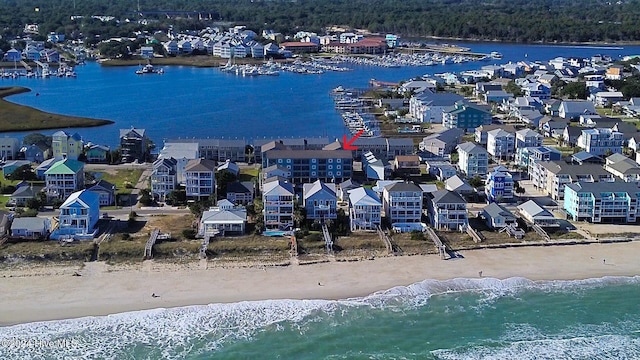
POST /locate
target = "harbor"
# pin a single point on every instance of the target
(354, 111)
(42, 70)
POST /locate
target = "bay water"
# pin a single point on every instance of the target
(455, 319)
(205, 102)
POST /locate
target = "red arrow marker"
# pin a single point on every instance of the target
(347, 144)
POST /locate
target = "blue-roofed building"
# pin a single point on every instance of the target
(524, 156)
(499, 186)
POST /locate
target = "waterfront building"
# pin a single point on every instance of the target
(601, 141)
(200, 178)
(364, 209)
(180, 153)
(277, 199)
(500, 144)
(97, 154)
(35, 152)
(163, 178)
(66, 146)
(536, 214)
(224, 219)
(78, 216)
(550, 177)
(465, 116)
(499, 185)
(311, 165)
(134, 145)
(473, 159)
(301, 143)
(299, 47)
(374, 168)
(427, 106)
(319, 201)
(406, 165)
(23, 193)
(497, 216)
(602, 203)
(64, 178)
(9, 148)
(9, 167)
(402, 203)
(448, 210)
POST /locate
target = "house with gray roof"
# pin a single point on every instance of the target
(241, 192)
(572, 109)
(551, 177)
(364, 209)
(536, 214)
(134, 145)
(623, 167)
(310, 165)
(497, 216)
(164, 177)
(278, 198)
(473, 159)
(106, 192)
(458, 185)
(441, 144)
(402, 203)
(428, 106)
(594, 202)
(24, 193)
(30, 227)
(319, 200)
(344, 187)
(448, 210)
(200, 178)
(224, 219)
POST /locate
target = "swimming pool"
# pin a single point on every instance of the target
(273, 233)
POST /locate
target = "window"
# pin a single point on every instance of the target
(288, 161)
(338, 160)
(313, 167)
(329, 161)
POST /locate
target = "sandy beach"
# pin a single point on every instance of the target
(50, 293)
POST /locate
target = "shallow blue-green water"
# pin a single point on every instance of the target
(457, 319)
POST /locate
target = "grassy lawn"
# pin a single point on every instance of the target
(248, 174)
(121, 177)
(3, 201)
(14, 117)
(48, 250)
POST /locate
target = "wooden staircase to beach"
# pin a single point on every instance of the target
(148, 247)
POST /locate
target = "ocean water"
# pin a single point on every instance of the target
(193, 102)
(484, 318)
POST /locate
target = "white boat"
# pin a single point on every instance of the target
(495, 55)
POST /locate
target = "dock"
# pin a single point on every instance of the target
(442, 250)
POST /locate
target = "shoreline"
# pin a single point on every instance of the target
(53, 293)
(16, 117)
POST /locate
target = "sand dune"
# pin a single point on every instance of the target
(48, 293)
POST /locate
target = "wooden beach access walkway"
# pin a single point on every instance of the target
(148, 247)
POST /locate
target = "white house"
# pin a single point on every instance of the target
(473, 159)
(200, 178)
(402, 203)
(501, 144)
(448, 210)
(223, 219)
(277, 199)
(364, 209)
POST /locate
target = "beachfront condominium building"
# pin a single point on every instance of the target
(465, 116)
(310, 165)
(499, 186)
(319, 200)
(602, 203)
(528, 138)
(473, 159)
(163, 178)
(277, 199)
(200, 178)
(601, 141)
(550, 177)
(623, 167)
(448, 210)
(501, 144)
(9, 148)
(402, 202)
(134, 145)
(64, 178)
(260, 146)
(66, 146)
(364, 209)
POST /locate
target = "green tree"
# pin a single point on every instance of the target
(476, 181)
(575, 90)
(23, 172)
(37, 138)
(513, 88)
(223, 178)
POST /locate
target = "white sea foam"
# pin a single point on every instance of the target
(617, 347)
(176, 332)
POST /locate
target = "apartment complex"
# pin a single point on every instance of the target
(602, 202)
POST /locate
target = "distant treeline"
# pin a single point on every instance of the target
(507, 20)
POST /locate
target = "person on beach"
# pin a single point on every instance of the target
(480, 273)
